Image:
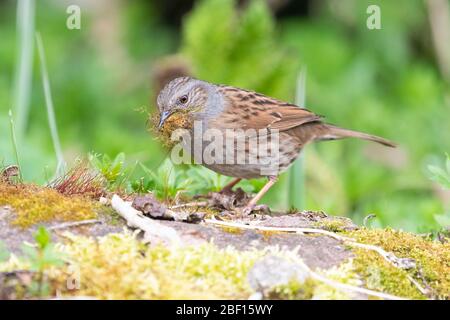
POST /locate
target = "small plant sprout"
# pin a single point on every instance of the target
(205, 180)
(41, 257)
(113, 170)
(167, 182)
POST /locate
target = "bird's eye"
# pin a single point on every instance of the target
(183, 99)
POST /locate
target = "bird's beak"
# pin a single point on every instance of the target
(162, 117)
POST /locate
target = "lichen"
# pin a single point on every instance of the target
(33, 204)
(432, 259)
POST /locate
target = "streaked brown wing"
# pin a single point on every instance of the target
(251, 110)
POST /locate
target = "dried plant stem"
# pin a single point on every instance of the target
(296, 181)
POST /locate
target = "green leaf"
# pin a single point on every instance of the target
(442, 219)
(42, 237)
(52, 257)
(4, 254)
(31, 253)
(440, 176)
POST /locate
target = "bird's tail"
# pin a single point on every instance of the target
(332, 132)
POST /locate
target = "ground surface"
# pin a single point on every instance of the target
(224, 261)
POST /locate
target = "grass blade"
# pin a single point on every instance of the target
(14, 143)
(24, 67)
(49, 105)
(296, 178)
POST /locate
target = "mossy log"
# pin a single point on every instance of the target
(110, 261)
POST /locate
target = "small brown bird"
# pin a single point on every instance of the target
(283, 128)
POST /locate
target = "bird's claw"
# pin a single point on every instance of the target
(260, 208)
(247, 210)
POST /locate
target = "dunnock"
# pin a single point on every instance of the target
(187, 102)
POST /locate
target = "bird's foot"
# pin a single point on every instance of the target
(260, 209)
(226, 191)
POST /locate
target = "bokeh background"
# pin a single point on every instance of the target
(392, 82)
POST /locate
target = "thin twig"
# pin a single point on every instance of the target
(347, 287)
(401, 263)
(190, 204)
(72, 224)
(288, 230)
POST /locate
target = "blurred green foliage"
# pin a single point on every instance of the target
(385, 82)
(238, 48)
(441, 175)
(4, 254)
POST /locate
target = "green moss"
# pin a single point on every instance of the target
(432, 259)
(178, 120)
(33, 204)
(233, 230)
(269, 233)
(294, 291)
(118, 266)
(331, 224)
(313, 289)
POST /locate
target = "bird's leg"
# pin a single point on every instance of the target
(251, 205)
(228, 188)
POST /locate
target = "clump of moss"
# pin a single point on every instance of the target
(294, 290)
(178, 120)
(33, 204)
(331, 224)
(432, 259)
(118, 266)
(233, 230)
(267, 234)
(81, 179)
(345, 273)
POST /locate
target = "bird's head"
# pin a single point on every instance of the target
(180, 101)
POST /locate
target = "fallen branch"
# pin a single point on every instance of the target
(150, 206)
(135, 219)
